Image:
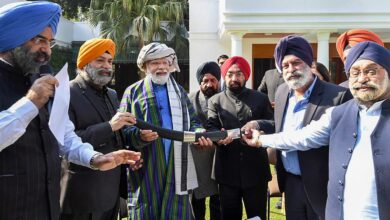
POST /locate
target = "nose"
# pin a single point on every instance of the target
(362, 78)
(107, 65)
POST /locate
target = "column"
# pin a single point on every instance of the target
(323, 48)
(236, 43)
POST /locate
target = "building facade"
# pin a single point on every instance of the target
(251, 28)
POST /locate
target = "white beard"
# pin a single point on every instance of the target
(160, 80)
(305, 76)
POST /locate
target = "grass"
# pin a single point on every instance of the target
(275, 214)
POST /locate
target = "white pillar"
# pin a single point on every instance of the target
(236, 43)
(323, 48)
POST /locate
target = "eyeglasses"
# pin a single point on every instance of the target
(41, 40)
(372, 72)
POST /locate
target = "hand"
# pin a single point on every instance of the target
(254, 140)
(137, 165)
(204, 143)
(247, 128)
(148, 135)
(121, 119)
(111, 160)
(225, 141)
(41, 90)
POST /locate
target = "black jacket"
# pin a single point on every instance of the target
(313, 163)
(29, 168)
(89, 190)
(236, 164)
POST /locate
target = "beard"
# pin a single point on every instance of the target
(96, 76)
(28, 61)
(236, 87)
(210, 91)
(301, 78)
(160, 80)
(374, 92)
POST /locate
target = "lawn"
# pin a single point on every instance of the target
(275, 214)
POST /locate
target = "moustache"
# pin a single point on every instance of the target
(100, 71)
(370, 85)
(40, 54)
(294, 74)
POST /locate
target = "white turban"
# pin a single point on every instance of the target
(155, 51)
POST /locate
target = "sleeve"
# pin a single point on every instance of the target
(213, 120)
(314, 135)
(195, 124)
(263, 86)
(132, 133)
(97, 134)
(14, 121)
(74, 150)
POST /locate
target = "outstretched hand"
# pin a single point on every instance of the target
(111, 160)
(254, 139)
(225, 141)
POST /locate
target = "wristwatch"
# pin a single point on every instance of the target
(92, 159)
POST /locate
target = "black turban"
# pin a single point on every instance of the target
(293, 45)
(208, 67)
(369, 51)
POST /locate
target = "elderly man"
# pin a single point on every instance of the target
(302, 99)
(237, 169)
(29, 152)
(349, 39)
(160, 189)
(208, 75)
(90, 194)
(357, 134)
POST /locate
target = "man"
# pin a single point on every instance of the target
(349, 39)
(303, 98)
(270, 82)
(208, 75)
(221, 60)
(29, 152)
(91, 194)
(237, 171)
(160, 189)
(357, 134)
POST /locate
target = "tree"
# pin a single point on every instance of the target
(72, 9)
(136, 22)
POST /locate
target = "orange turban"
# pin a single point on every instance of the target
(353, 37)
(241, 63)
(94, 48)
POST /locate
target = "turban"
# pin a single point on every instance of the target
(94, 48)
(21, 21)
(368, 50)
(208, 67)
(241, 63)
(353, 37)
(293, 45)
(155, 51)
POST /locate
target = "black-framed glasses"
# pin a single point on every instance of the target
(43, 41)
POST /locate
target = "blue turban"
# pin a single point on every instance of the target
(293, 45)
(21, 21)
(368, 50)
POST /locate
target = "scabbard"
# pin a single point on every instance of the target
(183, 136)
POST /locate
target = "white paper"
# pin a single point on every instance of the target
(59, 112)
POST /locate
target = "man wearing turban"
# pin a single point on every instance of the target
(302, 176)
(352, 37)
(237, 169)
(160, 189)
(208, 75)
(91, 194)
(357, 134)
(29, 152)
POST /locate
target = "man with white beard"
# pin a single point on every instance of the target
(87, 193)
(301, 175)
(160, 189)
(358, 136)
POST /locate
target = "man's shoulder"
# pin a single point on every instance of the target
(192, 95)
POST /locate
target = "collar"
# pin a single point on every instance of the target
(308, 92)
(377, 106)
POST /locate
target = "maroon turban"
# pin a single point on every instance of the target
(241, 63)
